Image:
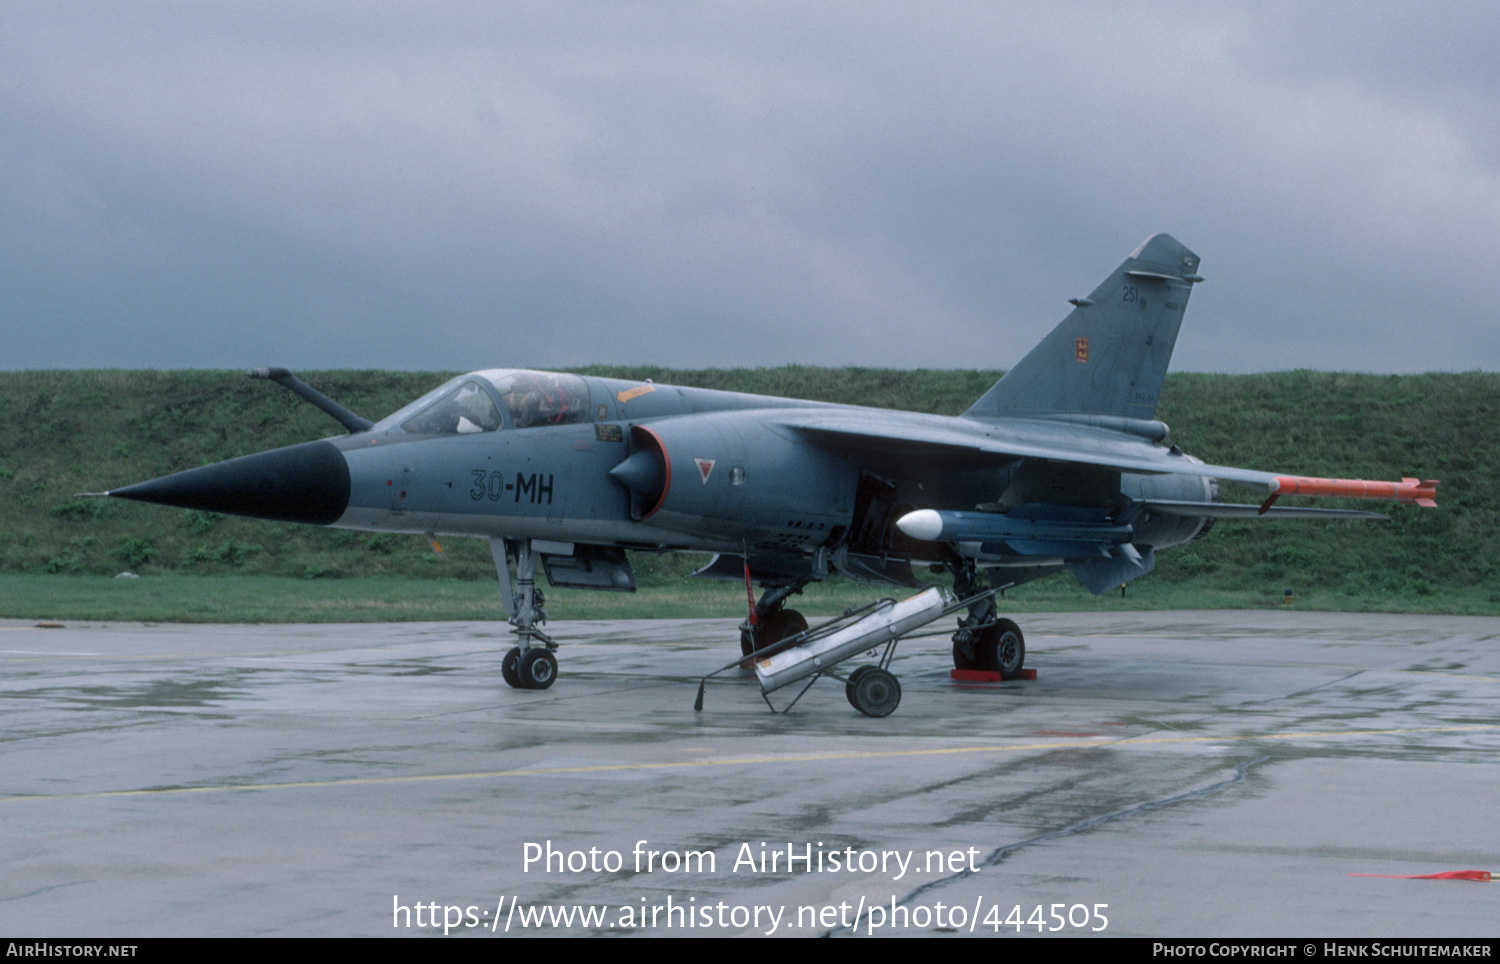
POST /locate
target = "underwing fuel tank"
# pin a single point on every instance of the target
(1073, 531)
(931, 525)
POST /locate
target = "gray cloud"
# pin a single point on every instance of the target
(732, 184)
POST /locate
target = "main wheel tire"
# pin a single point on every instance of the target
(778, 626)
(999, 649)
(1010, 649)
(961, 657)
(876, 693)
(783, 623)
(510, 667)
(537, 669)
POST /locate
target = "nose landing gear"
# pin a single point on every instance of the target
(531, 669)
(531, 665)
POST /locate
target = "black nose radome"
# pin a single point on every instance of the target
(300, 483)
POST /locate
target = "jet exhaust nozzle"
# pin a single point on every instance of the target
(300, 483)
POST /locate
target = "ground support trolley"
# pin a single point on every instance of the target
(813, 653)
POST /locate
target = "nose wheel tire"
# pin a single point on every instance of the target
(510, 667)
(538, 669)
(873, 691)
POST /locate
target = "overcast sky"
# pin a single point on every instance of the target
(713, 184)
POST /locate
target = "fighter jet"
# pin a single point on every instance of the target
(1061, 465)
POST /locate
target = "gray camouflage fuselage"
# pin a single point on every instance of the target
(1059, 465)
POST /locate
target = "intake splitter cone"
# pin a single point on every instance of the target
(299, 483)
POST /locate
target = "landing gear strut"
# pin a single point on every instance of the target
(984, 641)
(531, 665)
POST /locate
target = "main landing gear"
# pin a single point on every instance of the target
(996, 648)
(531, 665)
(984, 641)
(773, 623)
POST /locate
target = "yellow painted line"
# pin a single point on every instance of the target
(1433, 672)
(749, 761)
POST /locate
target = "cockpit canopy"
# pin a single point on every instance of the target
(487, 401)
(466, 409)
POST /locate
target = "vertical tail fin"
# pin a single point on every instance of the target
(1110, 355)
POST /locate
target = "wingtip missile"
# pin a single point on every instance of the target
(1422, 492)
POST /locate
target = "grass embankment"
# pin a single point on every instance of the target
(66, 432)
(282, 599)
